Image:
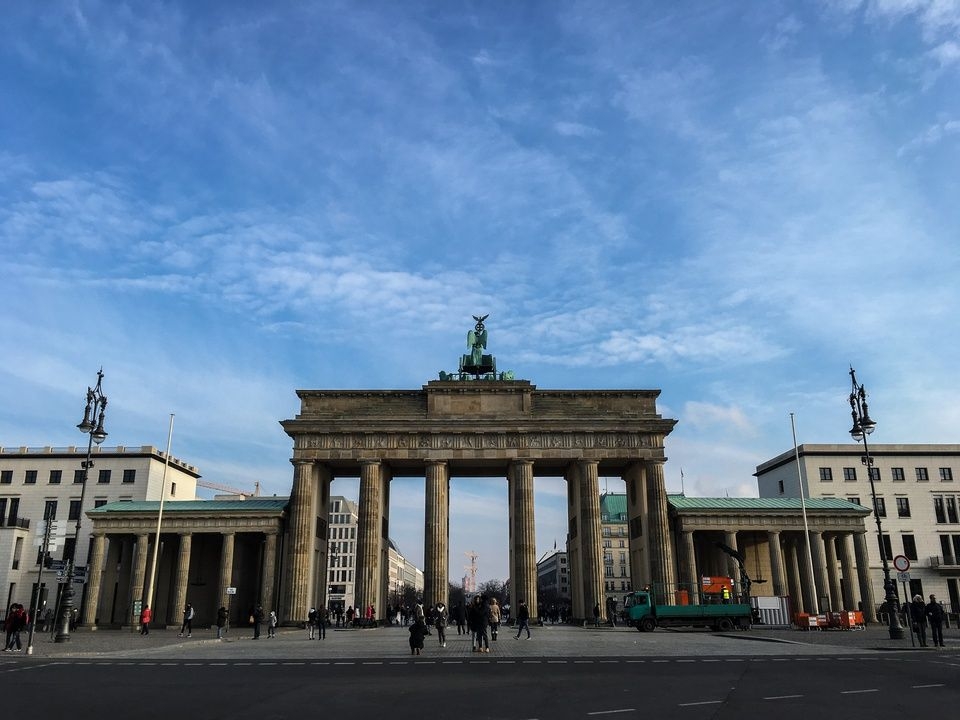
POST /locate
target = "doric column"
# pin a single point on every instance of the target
(591, 563)
(436, 534)
(794, 551)
(370, 512)
(833, 577)
(301, 541)
(819, 584)
(733, 568)
(269, 569)
(182, 577)
(658, 531)
(851, 595)
(635, 480)
(97, 558)
(863, 576)
(226, 569)
(690, 579)
(523, 537)
(779, 578)
(574, 556)
(139, 568)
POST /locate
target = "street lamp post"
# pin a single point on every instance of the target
(863, 425)
(92, 425)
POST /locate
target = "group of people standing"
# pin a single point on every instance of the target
(16, 621)
(920, 614)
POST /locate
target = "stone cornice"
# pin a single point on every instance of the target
(112, 525)
(835, 522)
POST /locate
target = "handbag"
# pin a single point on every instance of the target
(252, 620)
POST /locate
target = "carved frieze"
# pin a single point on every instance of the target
(475, 441)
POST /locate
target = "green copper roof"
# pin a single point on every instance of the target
(680, 502)
(272, 504)
(612, 506)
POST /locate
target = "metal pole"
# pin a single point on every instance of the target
(44, 548)
(156, 542)
(806, 527)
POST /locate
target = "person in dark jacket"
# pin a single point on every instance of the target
(919, 619)
(221, 622)
(477, 618)
(935, 614)
(418, 631)
(257, 620)
(460, 617)
(523, 620)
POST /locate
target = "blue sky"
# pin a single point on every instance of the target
(222, 202)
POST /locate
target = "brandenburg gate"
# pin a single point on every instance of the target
(476, 423)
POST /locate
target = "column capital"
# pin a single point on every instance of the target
(185, 533)
(297, 462)
(228, 533)
(428, 463)
(370, 461)
(656, 461)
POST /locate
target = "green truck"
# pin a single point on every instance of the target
(645, 615)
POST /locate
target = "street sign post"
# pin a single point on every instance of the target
(901, 563)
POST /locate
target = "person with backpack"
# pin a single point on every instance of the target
(312, 624)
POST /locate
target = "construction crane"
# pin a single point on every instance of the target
(231, 490)
(470, 579)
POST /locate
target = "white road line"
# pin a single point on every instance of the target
(453, 662)
(557, 662)
(782, 697)
(859, 692)
(583, 662)
(27, 667)
(367, 662)
(345, 663)
(506, 662)
(686, 661)
(294, 663)
(191, 664)
(705, 702)
(532, 662)
(266, 663)
(218, 664)
(711, 661)
(917, 687)
(611, 712)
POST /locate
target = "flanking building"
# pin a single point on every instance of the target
(917, 501)
(37, 483)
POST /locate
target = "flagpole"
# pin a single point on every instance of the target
(806, 527)
(156, 542)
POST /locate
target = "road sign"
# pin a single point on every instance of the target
(903, 577)
(58, 564)
(901, 563)
(231, 591)
(79, 570)
(79, 580)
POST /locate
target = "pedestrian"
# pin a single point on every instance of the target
(935, 614)
(312, 624)
(187, 625)
(418, 631)
(460, 615)
(596, 615)
(322, 619)
(272, 624)
(146, 615)
(221, 622)
(350, 615)
(523, 619)
(48, 620)
(493, 617)
(919, 619)
(418, 613)
(16, 621)
(440, 618)
(477, 619)
(256, 618)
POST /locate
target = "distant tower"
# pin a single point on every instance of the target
(470, 579)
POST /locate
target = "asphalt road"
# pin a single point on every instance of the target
(811, 687)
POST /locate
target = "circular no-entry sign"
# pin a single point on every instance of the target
(901, 563)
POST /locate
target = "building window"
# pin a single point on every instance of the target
(910, 547)
(850, 474)
(897, 474)
(50, 510)
(173, 489)
(30, 477)
(946, 475)
(939, 510)
(56, 476)
(74, 512)
(874, 473)
(6, 477)
(104, 477)
(129, 476)
(922, 475)
(886, 548)
(855, 499)
(78, 477)
(952, 510)
(99, 502)
(903, 507)
(880, 507)
(826, 475)
(780, 486)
